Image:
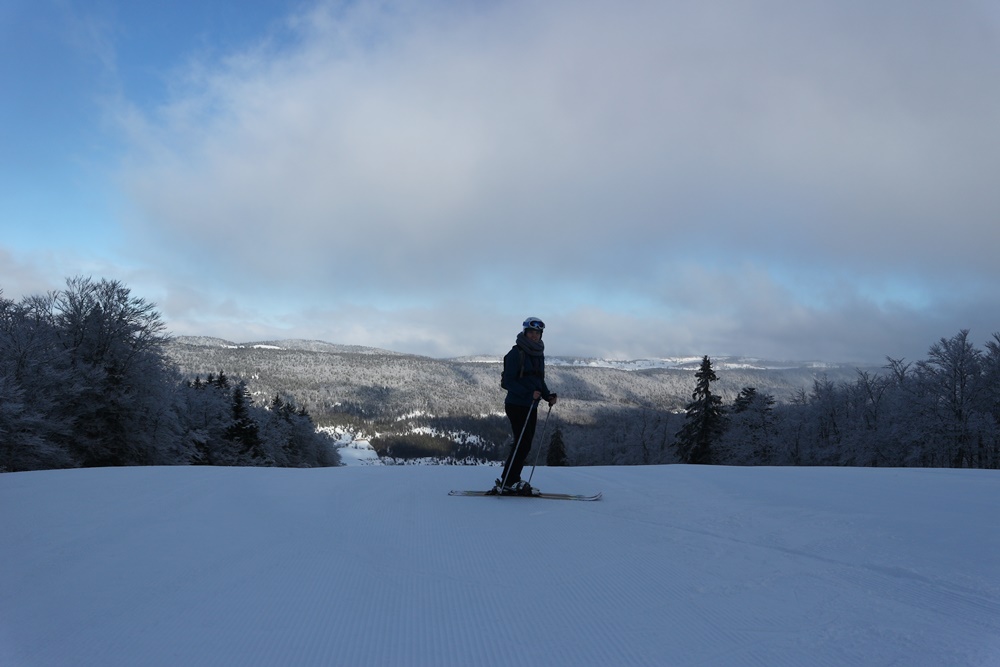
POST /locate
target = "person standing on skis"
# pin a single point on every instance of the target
(524, 380)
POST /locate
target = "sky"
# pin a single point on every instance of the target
(786, 180)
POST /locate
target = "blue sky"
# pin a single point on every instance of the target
(808, 180)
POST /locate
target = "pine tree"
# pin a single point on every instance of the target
(747, 440)
(703, 420)
(244, 432)
(556, 455)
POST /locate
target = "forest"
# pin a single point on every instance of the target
(941, 412)
(85, 381)
(88, 377)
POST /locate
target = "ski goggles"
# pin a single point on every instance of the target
(534, 323)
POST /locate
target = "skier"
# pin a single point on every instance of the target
(524, 380)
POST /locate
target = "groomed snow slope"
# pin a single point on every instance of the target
(678, 565)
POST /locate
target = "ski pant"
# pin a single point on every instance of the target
(518, 415)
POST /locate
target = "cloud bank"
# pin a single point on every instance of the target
(653, 178)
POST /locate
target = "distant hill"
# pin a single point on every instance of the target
(295, 344)
(390, 393)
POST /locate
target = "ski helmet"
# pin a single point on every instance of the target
(534, 323)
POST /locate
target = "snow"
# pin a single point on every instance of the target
(354, 449)
(359, 453)
(365, 565)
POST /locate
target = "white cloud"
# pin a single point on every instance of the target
(434, 159)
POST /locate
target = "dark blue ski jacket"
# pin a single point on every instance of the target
(523, 375)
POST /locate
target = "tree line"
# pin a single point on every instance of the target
(942, 412)
(85, 381)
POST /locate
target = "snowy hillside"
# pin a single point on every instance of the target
(610, 412)
(378, 566)
(320, 374)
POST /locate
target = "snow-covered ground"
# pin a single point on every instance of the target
(376, 565)
(358, 453)
(354, 449)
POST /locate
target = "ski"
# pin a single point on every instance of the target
(549, 496)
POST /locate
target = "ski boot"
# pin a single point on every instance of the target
(509, 489)
(524, 489)
(500, 490)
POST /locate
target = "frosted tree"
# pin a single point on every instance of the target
(243, 433)
(277, 432)
(89, 366)
(867, 402)
(951, 376)
(30, 375)
(749, 434)
(115, 342)
(898, 431)
(85, 381)
(207, 417)
(703, 421)
(826, 408)
(289, 436)
(988, 404)
(24, 444)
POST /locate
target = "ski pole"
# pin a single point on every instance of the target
(541, 440)
(513, 454)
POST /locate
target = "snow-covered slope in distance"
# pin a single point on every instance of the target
(678, 565)
(675, 363)
(683, 363)
(291, 344)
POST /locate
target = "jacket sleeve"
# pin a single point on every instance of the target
(537, 377)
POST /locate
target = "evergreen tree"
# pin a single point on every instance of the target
(556, 455)
(278, 432)
(244, 432)
(744, 400)
(703, 421)
(207, 419)
(749, 430)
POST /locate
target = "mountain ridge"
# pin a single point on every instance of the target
(609, 411)
(690, 362)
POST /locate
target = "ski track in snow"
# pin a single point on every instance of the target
(677, 565)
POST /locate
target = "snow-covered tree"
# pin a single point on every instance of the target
(244, 432)
(556, 456)
(114, 342)
(703, 421)
(988, 403)
(208, 415)
(749, 433)
(951, 378)
(89, 365)
(85, 381)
